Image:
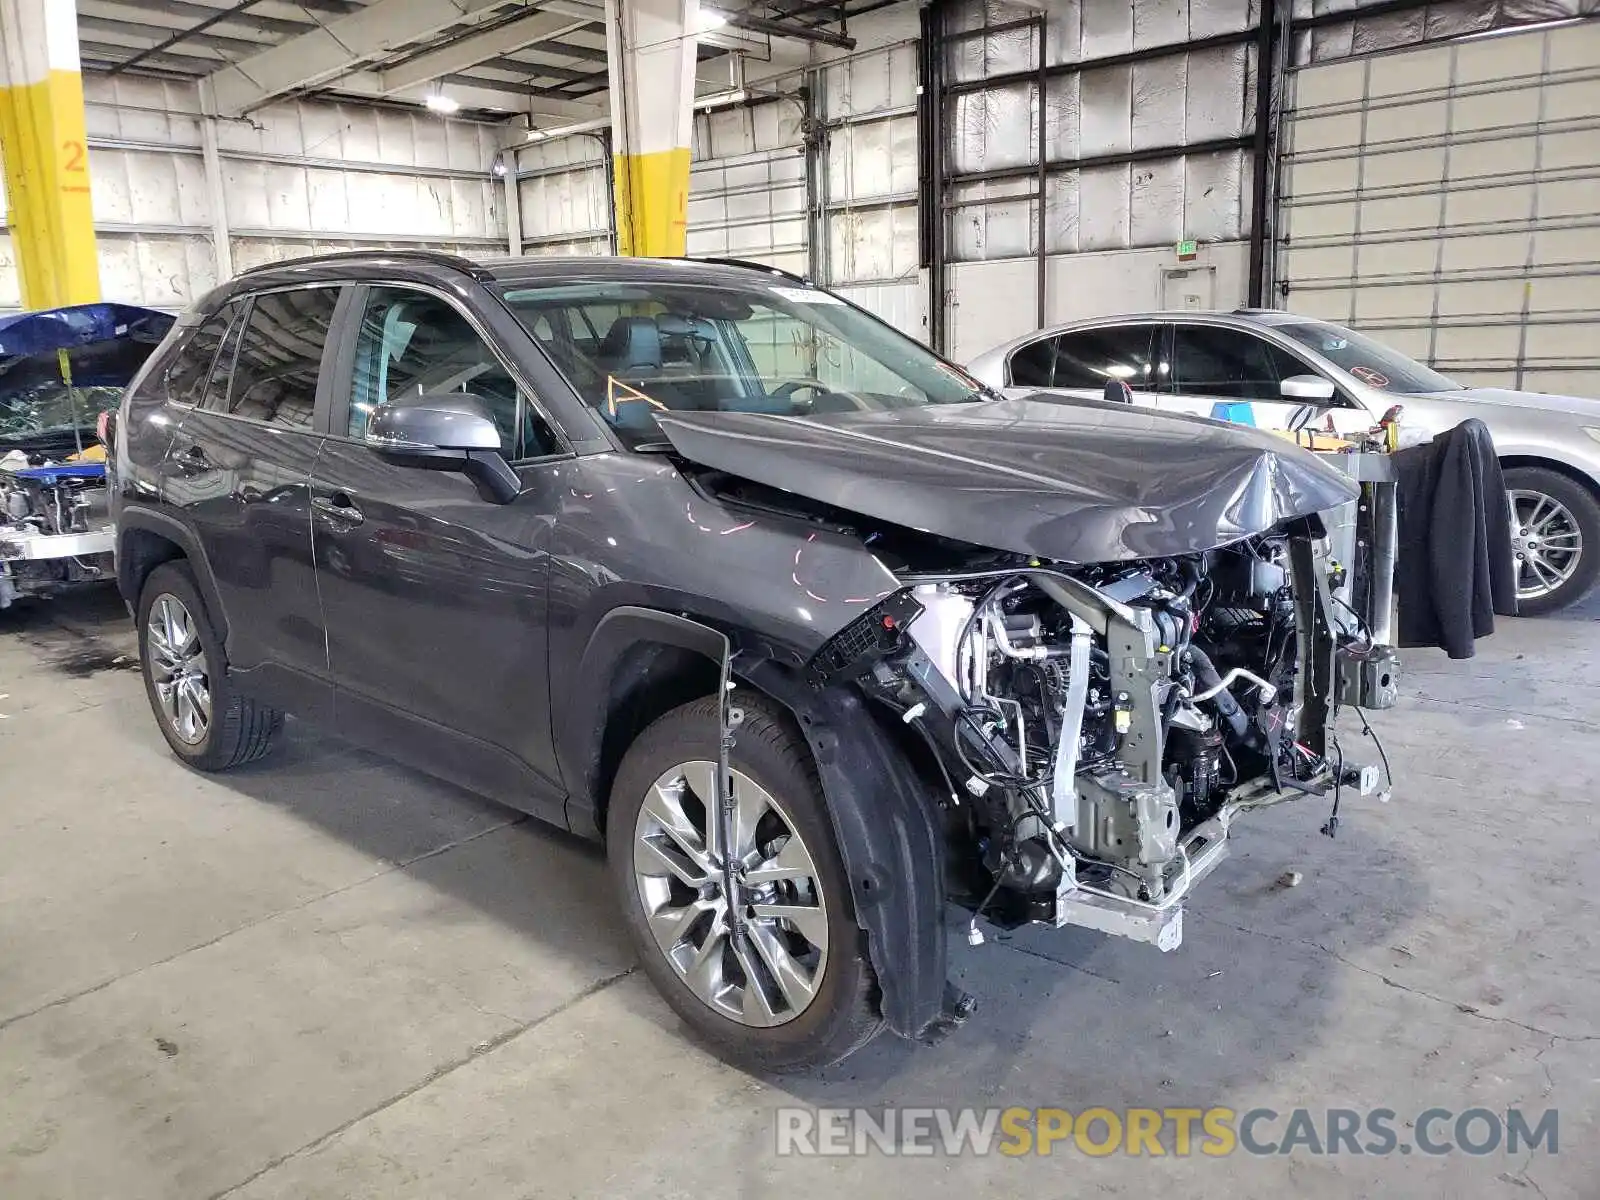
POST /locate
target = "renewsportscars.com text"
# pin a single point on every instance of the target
(1158, 1132)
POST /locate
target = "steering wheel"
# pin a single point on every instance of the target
(789, 387)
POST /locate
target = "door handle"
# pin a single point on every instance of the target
(194, 456)
(339, 507)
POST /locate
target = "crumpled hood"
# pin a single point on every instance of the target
(1078, 481)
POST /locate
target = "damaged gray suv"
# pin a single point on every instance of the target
(815, 631)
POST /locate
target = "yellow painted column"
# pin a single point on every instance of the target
(45, 150)
(650, 47)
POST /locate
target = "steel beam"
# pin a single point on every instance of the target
(201, 12)
(167, 35)
(1144, 54)
(806, 33)
(337, 49)
(1147, 154)
(368, 85)
(455, 57)
(1261, 154)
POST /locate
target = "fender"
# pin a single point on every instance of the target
(579, 725)
(888, 832)
(133, 517)
(892, 846)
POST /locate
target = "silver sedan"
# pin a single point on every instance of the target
(1278, 370)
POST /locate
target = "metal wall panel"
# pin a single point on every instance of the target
(902, 304)
(748, 196)
(1188, 97)
(867, 116)
(297, 178)
(992, 301)
(564, 188)
(1372, 32)
(1447, 199)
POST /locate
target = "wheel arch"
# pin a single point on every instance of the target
(1577, 475)
(638, 664)
(641, 663)
(145, 540)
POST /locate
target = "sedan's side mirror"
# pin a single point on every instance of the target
(448, 432)
(1307, 387)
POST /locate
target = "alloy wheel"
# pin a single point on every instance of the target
(1546, 542)
(755, 951)
(178, 669)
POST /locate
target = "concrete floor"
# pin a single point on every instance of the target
(324, 976)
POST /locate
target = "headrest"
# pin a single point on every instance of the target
(632, 342)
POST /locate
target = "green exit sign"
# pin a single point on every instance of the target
(1188, 248)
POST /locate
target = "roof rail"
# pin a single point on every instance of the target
(755, 266)
(442, 258)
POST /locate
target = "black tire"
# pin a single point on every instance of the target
(240, 729)
(843, 1014)
(1585, 509)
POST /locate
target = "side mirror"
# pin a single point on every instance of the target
(448, 432)
(1307, 387)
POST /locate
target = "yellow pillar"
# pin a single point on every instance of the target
(45, 149)
(650, 47)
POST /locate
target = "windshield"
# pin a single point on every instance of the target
(1375, 364)
(54, 408)
(633, 350)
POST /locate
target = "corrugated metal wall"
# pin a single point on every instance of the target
(1139, 156)
(297, 178)
(748, 195)
(564, 195)
(1447, 200)
(867, 115)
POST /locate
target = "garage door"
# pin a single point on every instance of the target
(564, 196)
(747, 185)
(1491, 276)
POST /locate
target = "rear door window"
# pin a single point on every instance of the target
(191, 367)
(1034, 364)
(279, 358)
(1091, 357)
(216, 393)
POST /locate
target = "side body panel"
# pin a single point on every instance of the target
(245, 490)
(632, 531)
(435, 602)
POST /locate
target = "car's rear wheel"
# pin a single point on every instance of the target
(205, 720)
(1555, 537)
(755, 944)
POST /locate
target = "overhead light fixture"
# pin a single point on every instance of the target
(711, 20)
(442, 104)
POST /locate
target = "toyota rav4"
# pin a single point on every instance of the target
(818, 633)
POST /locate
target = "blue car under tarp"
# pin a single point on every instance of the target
(61, 368)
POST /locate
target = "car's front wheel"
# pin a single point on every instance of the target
(1555, 538)
(753, 943)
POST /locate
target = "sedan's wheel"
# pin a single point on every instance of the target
(752, 939)
(205, 720)
(1555, 536)
(695, 891)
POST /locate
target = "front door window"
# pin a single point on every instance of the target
(414, 344)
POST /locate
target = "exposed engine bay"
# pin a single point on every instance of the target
(1098, 728)
(55, 530)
